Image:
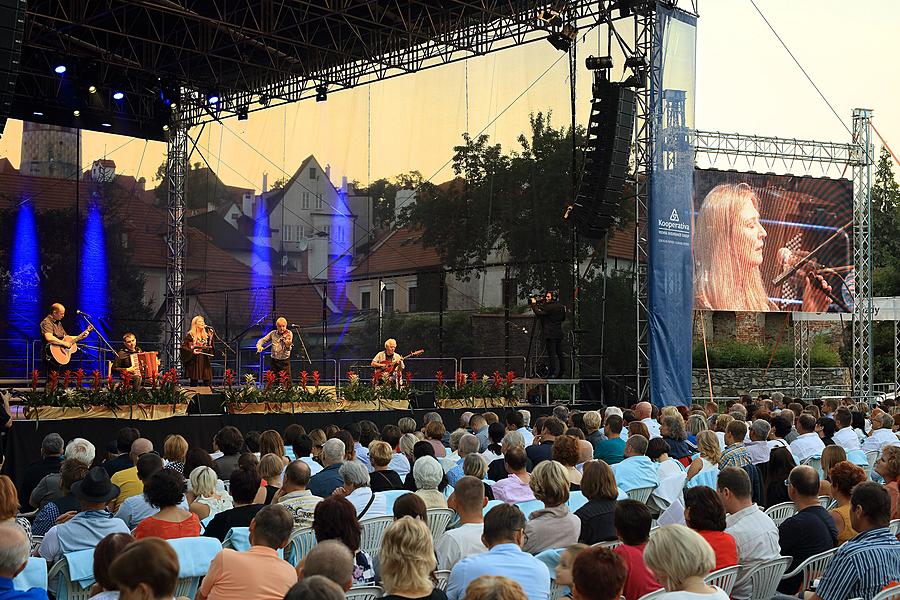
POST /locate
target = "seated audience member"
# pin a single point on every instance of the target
(480, 428)
(870, 561)
(658, 453)
(808, 444)
(315, 588)
(636, 470)
(146, 569)
(680, 558)
(335, 519)
(735, 453)
(468, 501)
(550, 430)
(383, 478)
(710, 454)
(434, 435)
(229, 441)
(330, 559)
(51, 461)
(174, 452)
(563, 574)
(407, 561)
(515, 421)
(487, 587)
(753, 531)
(494, 450)
(845, 437)
(758, 446)
(598, 574)
(612, 449)
(888, 466)
(318, 438)
(356, 490)
(48, 488)
(127, 479)
(781, 463)
(515, 487)
(553, 526)
(124, 438)
(410, 505)
(328, 479)
(592, 424)
(9, 507)
(91, 524)
(565, 451)
(205, 499)
(504, 533)
(420, 448)
(428, 475)
(294, 496)
(303, 448)
(259, 572)
(72, 470)
(825, 430)
(165, 491)
(474, 466)
(882, 433)
(672, 431)
(497, 468)
(136, 508)
(643, 412)
(198, 457)
(271, 442)
(831, 455)
(598, 485)
(244, 487)
(705, 514)
(271, 467)
(13, 560)
(468, 445)
(782, 427)
(104, 554)
(632, 522)
(844, 477)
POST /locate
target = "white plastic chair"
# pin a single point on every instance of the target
(63, 586)
(194, 556)
(365, 592)
(872, 456)
(723, 578)
(611, 544)
(825, 501)
(652, 595)
(301, 542)
(815, 462)
(811, 568)
(894, 526)
(892, 593)
(438, 519)
(441, 579)
(640, 494)
(781, 511)
(372, 532)
(556, 590)
(765, 577)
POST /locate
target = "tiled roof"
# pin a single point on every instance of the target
(400, 251)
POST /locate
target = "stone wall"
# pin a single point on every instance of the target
(733, 382)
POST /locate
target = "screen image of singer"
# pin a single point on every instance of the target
(765, 242)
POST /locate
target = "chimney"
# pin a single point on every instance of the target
(265, 187)
(344, 185)
(328, 173)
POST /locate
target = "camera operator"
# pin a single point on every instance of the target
(551, 314)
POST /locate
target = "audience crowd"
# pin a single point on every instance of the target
(592, 505)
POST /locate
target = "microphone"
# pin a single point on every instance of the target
(208, 328)
(294, 325)
(81, 312)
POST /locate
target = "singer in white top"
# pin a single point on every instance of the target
(280, 340)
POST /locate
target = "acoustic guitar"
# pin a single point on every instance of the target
(388, 367)
(62, 355)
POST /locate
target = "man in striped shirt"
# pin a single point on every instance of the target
(864, 565)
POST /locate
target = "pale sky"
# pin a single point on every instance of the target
(746, 83)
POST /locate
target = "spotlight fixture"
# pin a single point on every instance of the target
(165, 128)
(639, 67)
(560, 42)
(38, 113)
(118, 95)
(598, 63)
(321, 93)
(76, 112)
(92, 89)
(264, 99)
(106, 124)
(59, 69)
(213, 99)
(242, 113)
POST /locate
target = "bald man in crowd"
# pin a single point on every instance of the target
(128, 481)
(331, 559)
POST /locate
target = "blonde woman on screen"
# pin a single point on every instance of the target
(728, 251)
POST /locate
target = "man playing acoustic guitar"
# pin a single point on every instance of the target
(55, 335)
(388, 361)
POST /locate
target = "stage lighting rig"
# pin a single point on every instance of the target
(321, 93)
(265, 99)
(639, 68)
(562, 40)
(243, 113)
(551, 17)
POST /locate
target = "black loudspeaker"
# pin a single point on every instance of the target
(424, 400)
(596, 207)
(207, 404)
(12, 33)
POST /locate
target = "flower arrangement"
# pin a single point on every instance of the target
(356, 391)
(472, 387)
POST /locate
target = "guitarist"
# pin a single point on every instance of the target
(55, 335)
(388, 361)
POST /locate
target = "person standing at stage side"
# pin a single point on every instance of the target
(281, 340)
(123, 361)
(552, 314)
(388, 358)
(196, 352)
(54, 334)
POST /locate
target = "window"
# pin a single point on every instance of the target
(318, 201)
(365, 300)
(301, 232)
(306, 200)
(312, 173)
(388, 301)
(411, 298)
(327, 230)
(286, 233)
(339, 233)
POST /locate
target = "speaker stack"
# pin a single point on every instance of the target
(12, 33)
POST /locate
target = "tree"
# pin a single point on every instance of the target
(384, 195)
(885, 218)
(202, 188)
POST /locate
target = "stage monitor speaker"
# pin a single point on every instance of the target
(206, 404)
(424, 400)
(596, 207)
(12, 34)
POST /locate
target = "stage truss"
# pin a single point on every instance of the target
(826, 159)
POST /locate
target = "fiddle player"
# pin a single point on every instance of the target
(281, 340)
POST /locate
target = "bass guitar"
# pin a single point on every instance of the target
(388, 367)
(62, 355)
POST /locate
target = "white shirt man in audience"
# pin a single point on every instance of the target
(258, 573)
(303, 447)
(754, 533)
(504, 534)
(643, 412)
(758, 446)
(479, 428)
(515, 421)
(882, 433)
(636, 470)
(808, 444)
(357, 490)
(399, 464)
(845, 437)
(468, 501)
(468, 444)
(294, 496)
(330, 559)
(48, 487)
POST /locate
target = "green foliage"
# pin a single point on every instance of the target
(416, 330)
(384, 195)
(732, 354)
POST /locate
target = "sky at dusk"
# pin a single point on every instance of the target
(746, 83)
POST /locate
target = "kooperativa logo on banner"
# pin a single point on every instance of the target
(673, 231)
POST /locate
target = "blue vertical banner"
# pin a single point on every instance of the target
(670, 209)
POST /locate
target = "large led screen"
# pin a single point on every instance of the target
(764, 242)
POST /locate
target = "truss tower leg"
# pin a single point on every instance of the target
(801, 359)
(862, 254)
(176, 174)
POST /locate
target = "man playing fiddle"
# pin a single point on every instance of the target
(281, 339)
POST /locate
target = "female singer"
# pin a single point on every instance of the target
(196, 352)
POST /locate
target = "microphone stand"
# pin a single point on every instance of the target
(99, 335)
(225, 352)
(303, 346)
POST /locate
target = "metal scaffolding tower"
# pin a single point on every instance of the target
(862, 252)
(176, 243)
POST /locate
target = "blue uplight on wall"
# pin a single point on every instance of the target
(340, 256)
(25, 281)
(261, 276)
(92, 297)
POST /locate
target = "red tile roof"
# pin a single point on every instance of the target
(402, 250)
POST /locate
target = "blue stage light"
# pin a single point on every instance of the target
(213, 99)
(118, 96)
(25, 281)
(59, 69)
(92, 295)
(261, 277)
